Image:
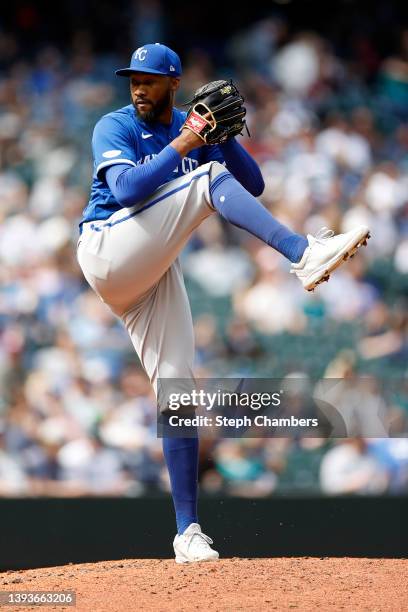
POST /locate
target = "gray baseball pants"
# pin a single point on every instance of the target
(131, 262)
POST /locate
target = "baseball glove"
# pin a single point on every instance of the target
(216, 112)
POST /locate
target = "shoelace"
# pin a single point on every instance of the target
(204, 540)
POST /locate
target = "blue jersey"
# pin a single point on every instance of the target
(120, 137)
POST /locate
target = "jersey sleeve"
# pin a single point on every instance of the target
(112, 144)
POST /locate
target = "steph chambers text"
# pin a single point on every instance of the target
(259, 420)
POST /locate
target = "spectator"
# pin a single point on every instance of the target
(350, 467)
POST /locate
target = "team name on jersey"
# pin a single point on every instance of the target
(188, 164)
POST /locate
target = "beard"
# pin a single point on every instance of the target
(157, 109)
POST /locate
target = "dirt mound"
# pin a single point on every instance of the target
(226, 585)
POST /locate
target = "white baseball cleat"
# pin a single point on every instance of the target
(326, 252)
(193, 545)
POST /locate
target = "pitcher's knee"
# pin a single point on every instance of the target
(216, 168)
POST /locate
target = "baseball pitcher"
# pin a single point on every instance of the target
(158, 173)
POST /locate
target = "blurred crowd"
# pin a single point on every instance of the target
(77, 415)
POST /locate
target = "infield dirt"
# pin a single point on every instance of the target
(226, 585)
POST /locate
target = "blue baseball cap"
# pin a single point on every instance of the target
(154, 59)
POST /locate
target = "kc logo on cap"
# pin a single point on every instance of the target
(140, 54)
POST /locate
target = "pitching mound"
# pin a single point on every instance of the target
(227, 585)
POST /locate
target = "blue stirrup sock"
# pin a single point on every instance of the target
(240, 208)
(181, 455)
